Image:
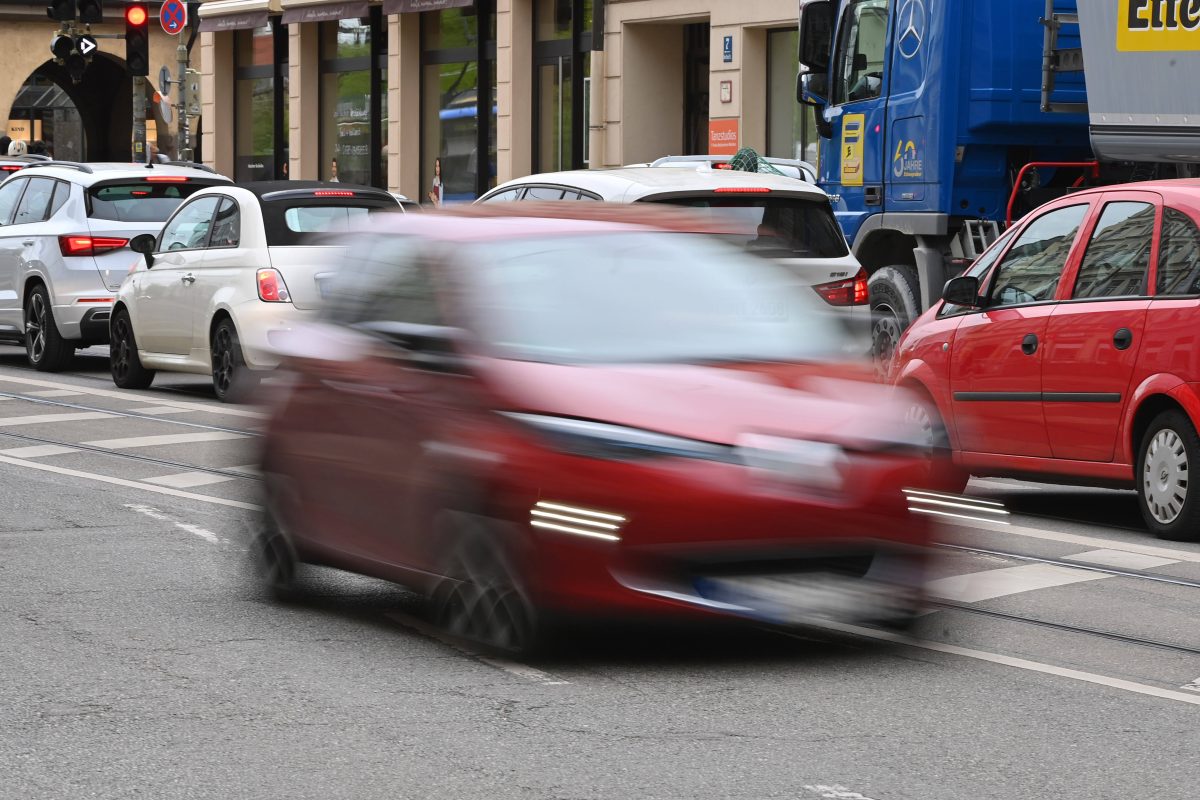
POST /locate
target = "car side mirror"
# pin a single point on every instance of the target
(962, 291)
(812, 89)
(430, 347)
(144, 243)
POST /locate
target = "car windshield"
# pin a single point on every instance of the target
(138, 201)
(641, 298)
(783, 227)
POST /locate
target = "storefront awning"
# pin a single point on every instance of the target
(236, 15)
(323, 12)
(407, 6)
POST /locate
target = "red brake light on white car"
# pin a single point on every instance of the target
(742, 190)
(10, 167)
(849, 292)
(84, 245)
(333, 193)
(271, 288)
(167, 179)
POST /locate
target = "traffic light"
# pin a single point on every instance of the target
(61, 10)
(61, 46)
(91, 11)
(137, 39)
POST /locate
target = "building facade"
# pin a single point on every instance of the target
(390, 92)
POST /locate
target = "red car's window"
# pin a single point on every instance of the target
(1118, 255)
(1178, 255)
(1031, 269)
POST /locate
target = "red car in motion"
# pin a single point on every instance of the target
(1068, 351)
(520, 413)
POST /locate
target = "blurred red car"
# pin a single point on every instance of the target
(520, 413)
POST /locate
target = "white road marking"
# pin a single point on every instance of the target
(1120, 560)
(222, 408)
(38, 451)
(196, 530)
(1018, 663)
(188, 480)
(1092, 542)
(162, 410)
(169, 438)
(835, 792)
(249, 469)
(147, 487)
(511, 667)
(978, 586)
(1194, 686)
(42, 419)
(55, 393)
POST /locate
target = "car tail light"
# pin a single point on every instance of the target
(332, 193)
(742, 190)
(89, 245)
(10, 167)
(849, 292)
(167, 179)
(271, 288)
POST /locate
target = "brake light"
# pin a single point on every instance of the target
(849, 292)
(10, 167)
(332, 193)
(742, 190)
(271, 288)
(167, 179)
(89, 245)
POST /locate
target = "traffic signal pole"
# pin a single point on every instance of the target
(183, 143)
(141, 153)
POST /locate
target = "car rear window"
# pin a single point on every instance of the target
(140, 201)
(775, 227)
(291, 222)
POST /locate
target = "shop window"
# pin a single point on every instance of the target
(260, 107)
(354, 100)
(791, 127)
(562, 39)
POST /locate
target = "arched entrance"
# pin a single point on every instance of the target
(88, 121)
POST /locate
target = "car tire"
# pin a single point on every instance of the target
(894, 306)
(123, 361)
(1170, 503)
(233, 381)
(45, 347)
(482, 597)
(944, 474)
(276, 566)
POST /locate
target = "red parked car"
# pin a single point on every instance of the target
(1068, 351)
(516, 412)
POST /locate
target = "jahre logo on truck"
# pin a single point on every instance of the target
(1158, 25)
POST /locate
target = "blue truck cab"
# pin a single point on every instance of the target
(927, 111)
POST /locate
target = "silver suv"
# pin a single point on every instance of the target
(64, 235)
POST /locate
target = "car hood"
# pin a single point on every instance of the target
(833, 403)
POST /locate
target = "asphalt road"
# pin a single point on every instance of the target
(136, 660)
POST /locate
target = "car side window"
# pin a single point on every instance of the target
(1031, 270)
(979, 270)
(506, 195)
(388, 280)
(864, 42)
(1178, 255)
(543, 193)
(1117, 259)
(227, 228)
(190, 227)
(35, 203)
(62, 193)
(10, 193)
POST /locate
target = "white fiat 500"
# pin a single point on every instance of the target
(232, 267)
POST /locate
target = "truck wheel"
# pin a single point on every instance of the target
(894, 306)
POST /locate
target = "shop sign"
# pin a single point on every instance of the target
(410, 6)
(723, 137)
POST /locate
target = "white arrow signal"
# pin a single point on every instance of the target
(86, 46)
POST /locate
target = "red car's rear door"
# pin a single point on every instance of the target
(1093, 338)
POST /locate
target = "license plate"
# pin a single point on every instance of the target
(799, 597)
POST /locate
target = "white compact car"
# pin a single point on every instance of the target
(784, 218)
(233, 266)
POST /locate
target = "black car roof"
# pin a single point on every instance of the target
(260, 188)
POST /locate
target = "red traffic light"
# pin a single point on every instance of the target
(136, 15)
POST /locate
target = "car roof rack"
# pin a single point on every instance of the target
(803, 167)
(65, 164)
(192, 164)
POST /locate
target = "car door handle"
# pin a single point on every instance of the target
(1123, 338)
(1029, 344)
(188, 278)
(29, 242)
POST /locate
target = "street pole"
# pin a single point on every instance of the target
(141, 153)
(183, 145)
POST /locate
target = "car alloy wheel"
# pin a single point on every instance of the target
(223, 360)
(122, 348)
(36, 317)
(1165, 476)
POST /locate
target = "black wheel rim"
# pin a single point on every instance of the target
(484, 605)
(885, 333)
(35, 327)
(222, 360)
(121, 349)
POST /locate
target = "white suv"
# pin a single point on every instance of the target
(232, 268)
(64, 235)
(783, 218)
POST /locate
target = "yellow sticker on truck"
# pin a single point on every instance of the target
(1158, 25)
(854, 127)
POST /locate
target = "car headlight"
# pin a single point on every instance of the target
(618, 442)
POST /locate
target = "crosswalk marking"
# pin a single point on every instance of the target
(38, 451)
(55, 393)
(1120, 559)
(170, 438)
(161, 410)
(976, 586)
(249, 469)
(41, 419)
(188, 480)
